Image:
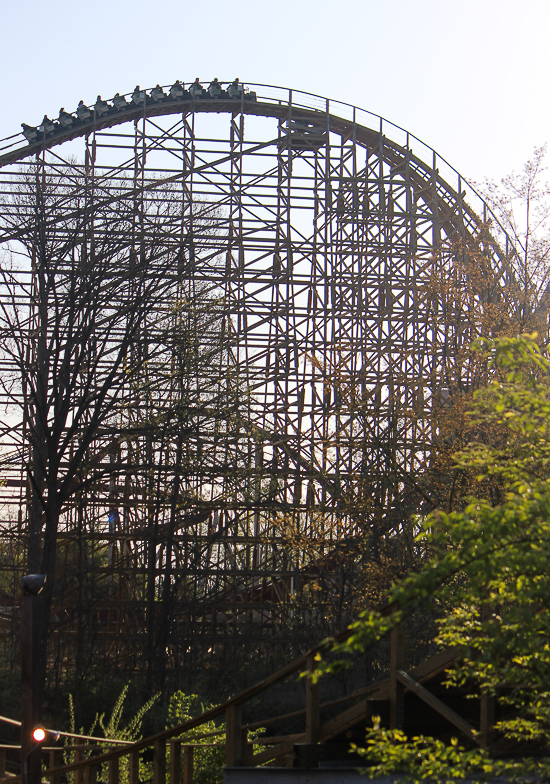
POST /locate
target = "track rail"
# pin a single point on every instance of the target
(275, 101)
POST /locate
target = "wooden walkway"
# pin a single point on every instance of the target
(396, 698)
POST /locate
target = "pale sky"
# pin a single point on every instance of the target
(469, 77)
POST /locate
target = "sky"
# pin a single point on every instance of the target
(469, 78)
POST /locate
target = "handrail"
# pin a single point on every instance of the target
(279, 745)
(218, 710)
(208, 715)
(16, 723)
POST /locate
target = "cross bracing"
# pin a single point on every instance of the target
(296, 357)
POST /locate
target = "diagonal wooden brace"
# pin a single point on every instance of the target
(434, 702)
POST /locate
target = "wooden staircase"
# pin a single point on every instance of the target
(414, 699)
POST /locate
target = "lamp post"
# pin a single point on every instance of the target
(31, 702)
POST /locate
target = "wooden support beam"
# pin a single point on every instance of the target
(487, 702)
(55, 760)
(159, 762)
(175, 762)
(188, 764)
(90, 773)
(439, 706)
(397, 699)
(234, 746)
(133, 767)
(114, 770)
(486, 719)
(79, 773)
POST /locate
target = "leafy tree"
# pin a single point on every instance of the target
(489, 577)
(465, 300)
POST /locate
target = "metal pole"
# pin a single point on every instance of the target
(31, 702)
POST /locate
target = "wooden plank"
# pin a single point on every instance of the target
(188, 764)
(133, 767)
(435, 664)
(114, 771)
(344, 721)
(274, 753)
(91, 773)
(234, 750)
(79, 773)
(425, 671)
(55, 759)
(486, 719)
(175, 762)
(273, 740)
(159, 762)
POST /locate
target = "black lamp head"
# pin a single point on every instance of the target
(33, 584)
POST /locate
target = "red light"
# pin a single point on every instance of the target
(39, 734)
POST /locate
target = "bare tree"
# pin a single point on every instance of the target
(521, 202)
(91, 305)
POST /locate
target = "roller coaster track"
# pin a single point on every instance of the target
(330, 227)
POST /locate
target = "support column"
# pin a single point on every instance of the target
(396, 688)
(31, 686)
(234, 746)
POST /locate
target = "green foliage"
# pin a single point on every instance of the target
(209, 752)
(208, 759)
(428, 759)
(489, 577)
(112, 728)
(132, 730)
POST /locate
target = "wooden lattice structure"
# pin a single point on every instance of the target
(306, 235)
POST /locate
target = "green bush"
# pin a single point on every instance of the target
(489, 579)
